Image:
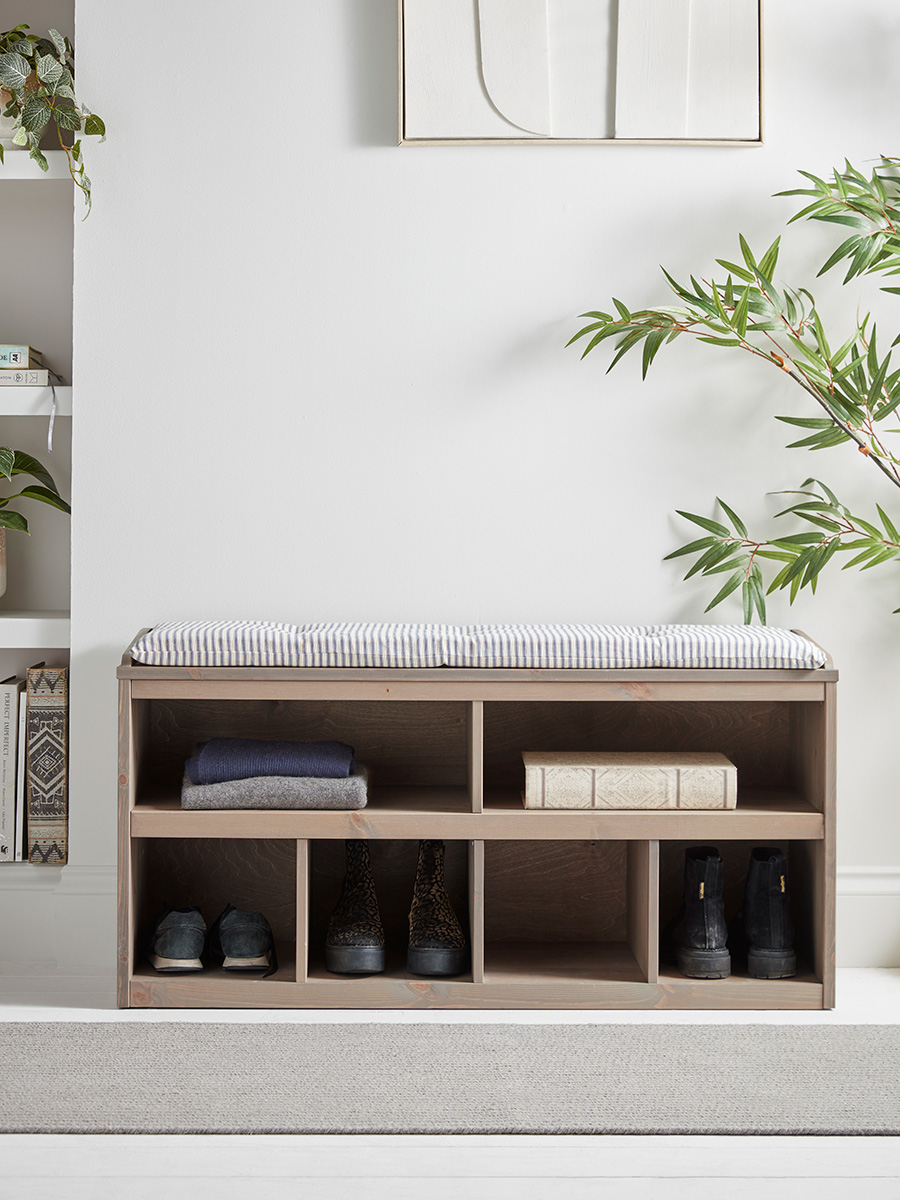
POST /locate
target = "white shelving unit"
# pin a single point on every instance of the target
(34, 401)
(34, 630)
(19, 164)
(33, 634)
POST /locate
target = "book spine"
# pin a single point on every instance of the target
(21, 761)
(18, 378)
(8, 731)
(47, 767)
(19, 356)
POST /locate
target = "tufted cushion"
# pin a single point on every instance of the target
(368, 644)
(363, 644)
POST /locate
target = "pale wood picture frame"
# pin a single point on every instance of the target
(409, 135)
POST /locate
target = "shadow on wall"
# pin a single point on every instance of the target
(372, 42)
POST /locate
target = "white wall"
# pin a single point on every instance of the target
(415, 442)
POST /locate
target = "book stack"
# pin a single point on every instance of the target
(23, 366)
(34, 813)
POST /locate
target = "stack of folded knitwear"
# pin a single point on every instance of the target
(253, 773)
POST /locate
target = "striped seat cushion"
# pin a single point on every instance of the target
(385, 644)
(368, 644)
(221, 644)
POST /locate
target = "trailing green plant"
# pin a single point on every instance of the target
(17, 462)
(853, 390)
(37, 82)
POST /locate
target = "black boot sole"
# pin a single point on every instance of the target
(704, 964)
(771, 964)
(426, 961)
(354, 960)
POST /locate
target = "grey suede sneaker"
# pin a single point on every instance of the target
(243, 941)
(177, 942)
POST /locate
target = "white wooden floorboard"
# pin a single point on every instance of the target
(412, 1188)
(66, 1157)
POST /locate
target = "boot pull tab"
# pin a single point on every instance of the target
(782, 884)
(703, 888)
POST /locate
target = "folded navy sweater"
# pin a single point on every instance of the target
(221, 760)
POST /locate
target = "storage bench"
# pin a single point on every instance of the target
(563, 908)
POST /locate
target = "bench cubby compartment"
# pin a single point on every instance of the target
(394, 871)
(250, 873)
(569, 911)
(805, 866)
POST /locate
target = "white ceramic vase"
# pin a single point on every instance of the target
(2, 562)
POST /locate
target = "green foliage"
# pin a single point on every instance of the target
(37, 81)
(16, 462)
(853, 389)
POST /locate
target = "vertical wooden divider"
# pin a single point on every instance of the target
(476, 909)
(475, 722)
(302, 920)
(643, 906)
(126, 897)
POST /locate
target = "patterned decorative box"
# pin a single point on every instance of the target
(623, 779)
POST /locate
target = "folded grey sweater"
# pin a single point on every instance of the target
(279, 791)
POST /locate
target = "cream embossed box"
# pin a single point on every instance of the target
(624, 779)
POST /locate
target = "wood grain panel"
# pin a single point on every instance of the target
(756, 737)
(303, 877)
(555, 891)
(475, 718)
(643, 906)
(401, 743)
(378, 992)
(476, 909)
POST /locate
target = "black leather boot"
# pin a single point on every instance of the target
(354, 944)
(437, 944)
(695, 938)
(763, 930)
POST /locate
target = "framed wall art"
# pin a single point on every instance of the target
(512, 72)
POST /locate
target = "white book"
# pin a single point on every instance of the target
(21, 763)
(28, 378)
(9, 730)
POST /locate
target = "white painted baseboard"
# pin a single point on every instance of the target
(65, 917)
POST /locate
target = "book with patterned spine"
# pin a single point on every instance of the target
(21, 756)
(47, 777)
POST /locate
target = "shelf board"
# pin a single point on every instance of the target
(560, 962)
(445, 812)
(18, 164)
(34, 630)
(214, 976)
(804, 990)
(35, 401)
(512, 981)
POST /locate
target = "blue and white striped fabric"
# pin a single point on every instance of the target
(221, 644)
(577, 647)
(553, 646)
(367, 644)
(720, 646)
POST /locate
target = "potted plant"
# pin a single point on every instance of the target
(17, 462)
(852, 389)
(37, 82)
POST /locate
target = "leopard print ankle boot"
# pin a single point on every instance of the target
(354, 944)
(437, 944)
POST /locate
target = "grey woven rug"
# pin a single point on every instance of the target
(129, 1077)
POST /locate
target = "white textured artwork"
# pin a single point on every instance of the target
(525, 70)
